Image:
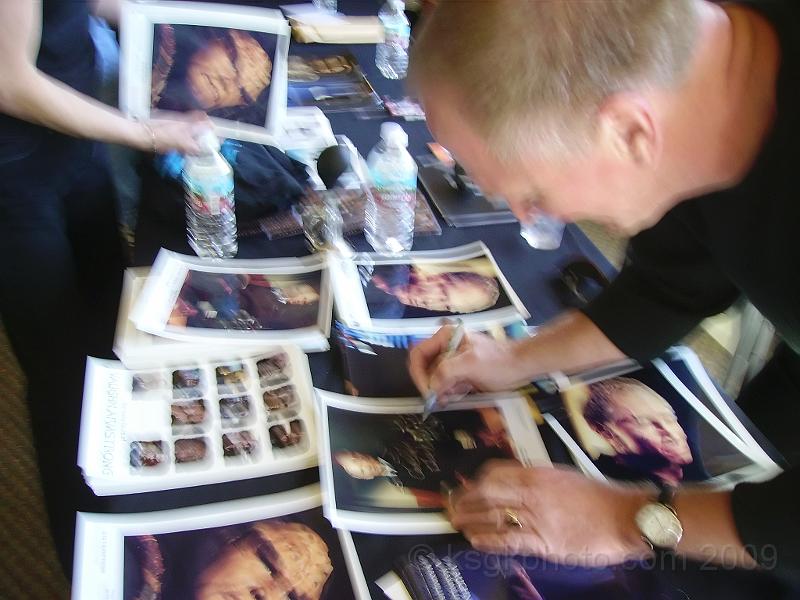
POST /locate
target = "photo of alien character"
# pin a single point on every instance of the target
(297, 556)
(240, 301)
(225, 73)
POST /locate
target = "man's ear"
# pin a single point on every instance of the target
(628, 129)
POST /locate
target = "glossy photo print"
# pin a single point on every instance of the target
(435, 567)
(445, 566)
(333, 83)
(400, 462)
(638, 427)
(247, 301)
(421, 290)
(272, 546)
(226, 73)
(376, 364)
(386, 468)
(416, 292)
(294, 556)
(264, 301)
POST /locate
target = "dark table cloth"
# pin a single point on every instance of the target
(530, 273)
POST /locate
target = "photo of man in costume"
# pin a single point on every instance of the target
(333, 82)
(244, 301)
(223, 72)
(294, 557)
(642, 430)
(434, 289)
(400, 462)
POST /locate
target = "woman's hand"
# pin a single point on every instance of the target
(176, 132)
(562, 515)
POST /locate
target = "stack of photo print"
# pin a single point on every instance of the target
(375, 526)
(196, 424)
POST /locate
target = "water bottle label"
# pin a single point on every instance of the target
(397, 36)
(395, 197)
(210, 198)
(393, 183)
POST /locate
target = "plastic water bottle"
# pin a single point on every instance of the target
(326, 5)
(391, 55)
(389, 218)
(210, 216)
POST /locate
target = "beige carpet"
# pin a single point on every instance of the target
(29, 569)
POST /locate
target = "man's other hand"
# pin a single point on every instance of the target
(553, 513)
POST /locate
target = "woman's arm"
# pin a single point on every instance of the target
(30, 95)
(106, 9)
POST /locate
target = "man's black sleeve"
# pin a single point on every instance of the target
(766, 516)
(670, 283)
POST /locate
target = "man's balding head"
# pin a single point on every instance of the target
(531, 73)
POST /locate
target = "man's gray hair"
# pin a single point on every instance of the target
(532, 73)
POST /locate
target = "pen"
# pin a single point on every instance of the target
(431, 399)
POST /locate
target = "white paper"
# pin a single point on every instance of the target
(140, 350)
(746, 461)
(352, 307)
(100, 541)
(161, 293)
(519, 429)
(123, 409)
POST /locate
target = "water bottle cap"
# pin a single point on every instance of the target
(208, 142)
(392, 133)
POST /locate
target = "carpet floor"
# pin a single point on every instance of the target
(29, 569)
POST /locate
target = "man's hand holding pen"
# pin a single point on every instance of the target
(479, 363)
(509, 508)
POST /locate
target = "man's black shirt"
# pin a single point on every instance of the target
(707, 252)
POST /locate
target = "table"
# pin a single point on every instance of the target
(527, 270)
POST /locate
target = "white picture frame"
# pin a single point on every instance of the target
(138, 24)
(120, 410)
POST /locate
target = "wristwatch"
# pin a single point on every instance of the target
(658, 522)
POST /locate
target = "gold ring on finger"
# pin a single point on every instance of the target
(512, 518)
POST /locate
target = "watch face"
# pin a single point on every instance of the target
(659, 525)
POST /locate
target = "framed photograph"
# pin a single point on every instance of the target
(196, 422)
(275, 546)
(228, 61)
(417, 291)
(384, 469)
(645, 425)
(264, 301)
